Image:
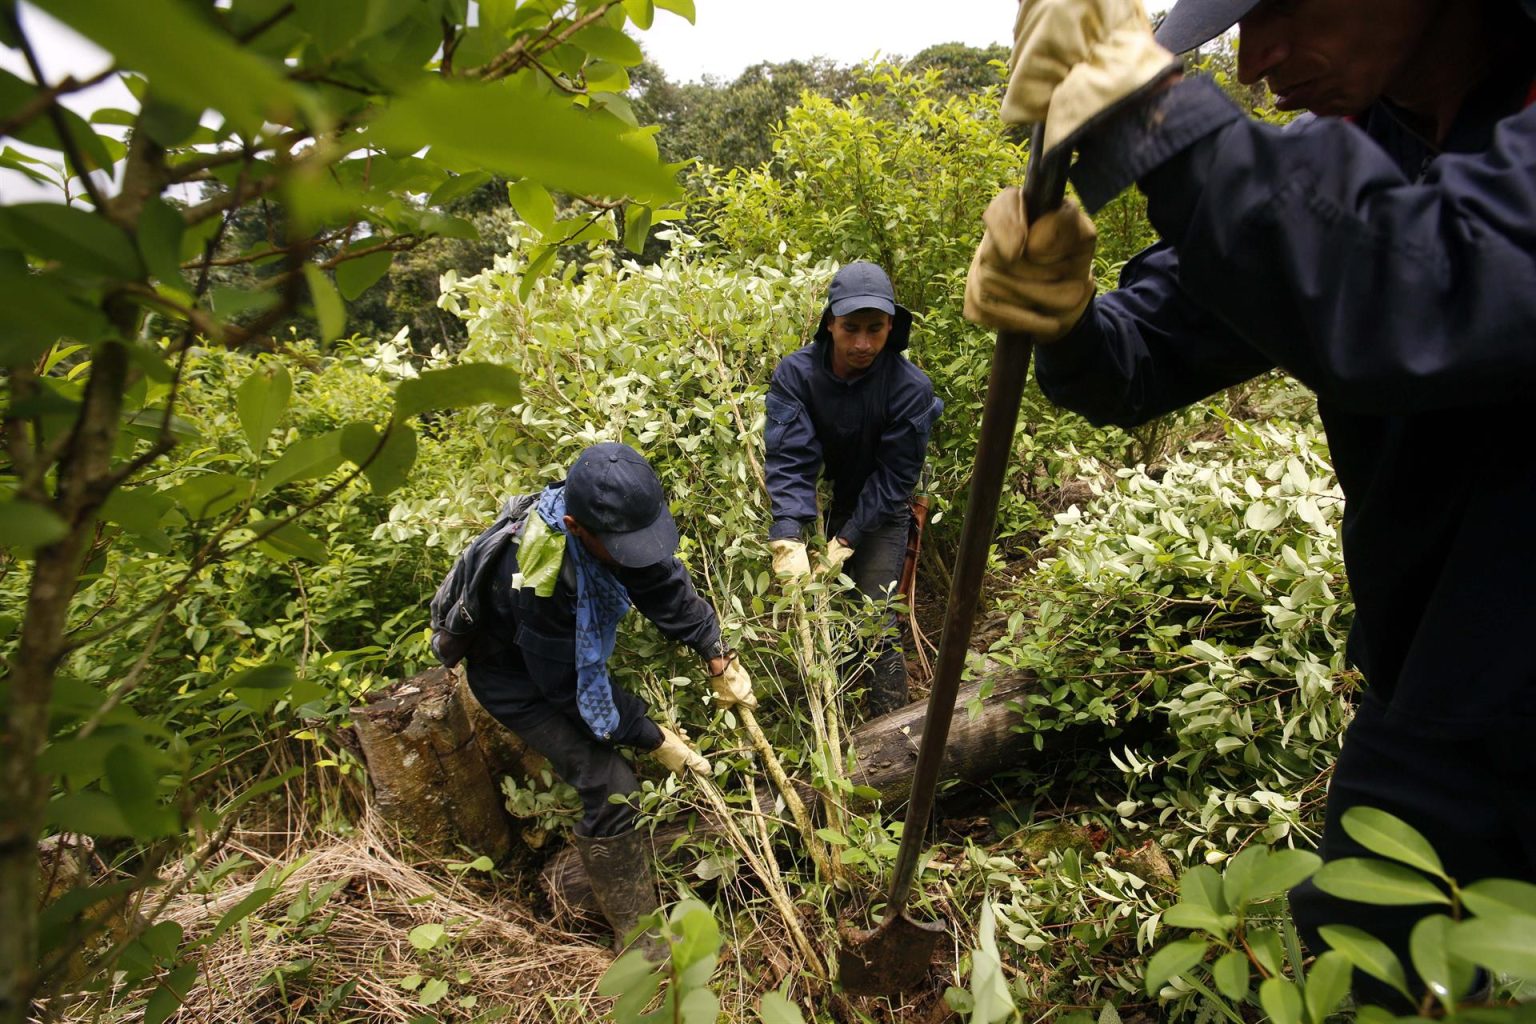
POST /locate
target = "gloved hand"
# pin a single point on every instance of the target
(837, 554)
(733, 686)
(789, 559)
(1074, 59)
(1035, 278)
(678, 756)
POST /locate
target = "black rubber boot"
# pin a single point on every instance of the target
(619, 868)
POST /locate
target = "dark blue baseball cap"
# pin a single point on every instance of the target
(861, 285)
(1193, 23)
(614, 492)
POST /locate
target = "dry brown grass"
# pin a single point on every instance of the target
(519, 968)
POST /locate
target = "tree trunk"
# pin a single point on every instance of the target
(428, 774)
(979, 746)
(83, 474)
(504, 751)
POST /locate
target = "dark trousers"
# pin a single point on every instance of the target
(1473, 798)
(875, 568)
(596, 769)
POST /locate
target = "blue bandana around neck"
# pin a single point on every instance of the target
(600, 603)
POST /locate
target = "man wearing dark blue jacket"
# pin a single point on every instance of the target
(588, 548)
(1384, 254)
(852, 407)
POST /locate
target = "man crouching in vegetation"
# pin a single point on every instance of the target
(587, 548)
(1380, 252)
(851, 405)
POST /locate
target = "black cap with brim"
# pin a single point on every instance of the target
(645, 546)
(1193, 23)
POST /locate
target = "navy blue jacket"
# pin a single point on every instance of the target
(526, 649)
(868, 435)
(1399, 284)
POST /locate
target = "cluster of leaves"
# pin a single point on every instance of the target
(350, 128)
(1488, 925)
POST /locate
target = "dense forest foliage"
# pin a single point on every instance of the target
(329, 370)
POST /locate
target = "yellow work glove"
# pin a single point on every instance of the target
(1035, 278)
(837, 554)
(1074, 59)
(677, 756)
(789, 559)
(733, 686)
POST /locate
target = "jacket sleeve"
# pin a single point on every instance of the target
(1143, 350)
(1383, 294)
(792, 458)
(903, 446)
(664, 593)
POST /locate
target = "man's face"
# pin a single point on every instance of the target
(590, 541)
(858, 338)
(1332, 57)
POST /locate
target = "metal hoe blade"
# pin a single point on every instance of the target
(894, 955)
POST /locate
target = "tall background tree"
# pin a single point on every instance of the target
(328, 138)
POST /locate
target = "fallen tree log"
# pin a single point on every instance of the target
(979, 746)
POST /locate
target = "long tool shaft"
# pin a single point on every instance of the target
(1044, 185)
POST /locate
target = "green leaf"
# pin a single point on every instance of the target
(1268, 949)
(1367, 880)
(457, 187)
(1191, 915)
(329, 311)
(1231, 974)
(1495, 896)
(304, 459)
(1173, 960)
(249, 904)
(261, 687)
(86, 243)
(775, 1009)
(261, 401)
(699, 1006)
(457, 387)
(161, 228)
(533, 204)
(188, 62)
(16, 93)
(1281, 1000)
(1201, 886)
(1391, 837)
(26, 526)
(1368, 954)
(637, 225)
(170, 994)
(332, 26)
(1429, 948)
(89, 812)
(1327, 984)
(556, 143)
(1258, 874)
(630, 973)
(135, 789)
(427, 936)
(641, 12)
(289, 541)
(357, 275)
(386, 467)
(433, 991)
(681, 7)
(991, 1000)
(39, 310)
(1503, 943)
(607, 43)
(210, 495)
